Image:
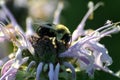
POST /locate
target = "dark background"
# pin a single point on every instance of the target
(71, 17)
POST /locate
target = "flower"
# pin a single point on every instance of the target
(90, 53)
(50, 54)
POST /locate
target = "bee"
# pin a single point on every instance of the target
(59, 31)
(51, 41)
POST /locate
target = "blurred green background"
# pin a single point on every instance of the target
(71, 17)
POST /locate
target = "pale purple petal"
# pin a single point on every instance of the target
(4, 31)
(98, 59)
(29, 29)
(79, 30)
(6, 66)
(39, 69)
(56, 19)
(113, 29)
(3, 17)
(11, 68)
(2, 39)
(9, 14)
(5, 59)
(73, 52)
(56, 73)
(1, 63)
(51, 72)
(90, 70)
(25, 43)
(106, 70)
(72, 69)
(32, 63)
(18, 63)
(18, 54)
(90, 52)
(101, 50)
(11, 72)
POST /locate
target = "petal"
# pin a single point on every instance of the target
(90, 70)
(18, 55)
(107, 70)
(72, 69)
(14, 66)
(9, 14)
(5, 59)
(51, 72)
(6, 66)
(101, 49)
(3, 17)
(39, 69)
(32, 63)
(79, 31)
(56, 73)
(29, 30)
(12, 72)
(56, 19)
(18, 63)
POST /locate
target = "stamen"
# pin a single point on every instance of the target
(109, 31)
(79, 30)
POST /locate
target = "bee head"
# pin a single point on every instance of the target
(59, 31)
(46, 30)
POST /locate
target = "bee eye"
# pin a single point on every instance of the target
(66, 38)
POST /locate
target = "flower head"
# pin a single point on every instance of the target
(50, 49)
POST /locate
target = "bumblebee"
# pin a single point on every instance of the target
(51, 41)
(59, 31)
